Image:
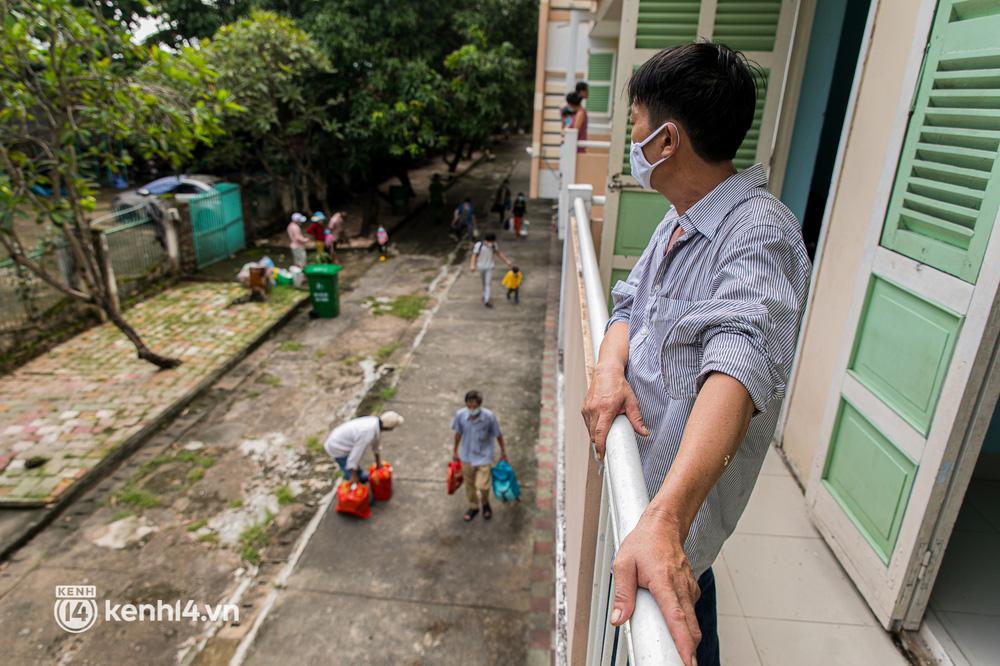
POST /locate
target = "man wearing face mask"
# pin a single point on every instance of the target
(698, 347)
(475, 431)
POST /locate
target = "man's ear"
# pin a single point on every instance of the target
(671, 140)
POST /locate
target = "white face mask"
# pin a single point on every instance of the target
(475, 412)
(642, 170)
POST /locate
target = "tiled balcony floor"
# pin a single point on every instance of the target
(783, 598)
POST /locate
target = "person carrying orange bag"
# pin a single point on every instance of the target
(348, 442)
(476, 429)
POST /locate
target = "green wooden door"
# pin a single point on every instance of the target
(893, 424)
(946, 195)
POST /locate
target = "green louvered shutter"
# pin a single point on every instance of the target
(747, 25)
(600, 72)
(663, 23)
(747, 154)
(947, 190)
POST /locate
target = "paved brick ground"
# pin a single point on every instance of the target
(76, 404)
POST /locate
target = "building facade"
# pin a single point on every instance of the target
(879, 125)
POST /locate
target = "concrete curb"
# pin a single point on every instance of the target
(130, 445)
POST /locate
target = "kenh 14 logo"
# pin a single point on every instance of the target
(76, 607)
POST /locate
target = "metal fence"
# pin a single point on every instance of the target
(25, 299)
(136, 246)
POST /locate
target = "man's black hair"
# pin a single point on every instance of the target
(708, 88)
(581, 86)
(491, 236)
(475, 396)
(468, 199)
(573, 98)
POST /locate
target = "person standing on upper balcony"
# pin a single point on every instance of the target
(580, 117)
(699, 344)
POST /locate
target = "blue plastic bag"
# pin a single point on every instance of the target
(505, 485)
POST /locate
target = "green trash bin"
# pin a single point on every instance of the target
(324, 289)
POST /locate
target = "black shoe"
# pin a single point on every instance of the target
(508, 296)
(470, 514)
(487, 512)
(488, 304)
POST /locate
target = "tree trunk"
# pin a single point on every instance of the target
(142, 351)
(453, 164)
(472, 150)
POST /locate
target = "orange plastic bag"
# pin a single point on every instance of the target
(454, 476)
(380, 479)
(352, 499)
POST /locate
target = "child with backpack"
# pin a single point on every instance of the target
(520, 208)
(382, 238)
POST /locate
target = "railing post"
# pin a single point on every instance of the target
(108, 271)
(567, 176)
(170, 221)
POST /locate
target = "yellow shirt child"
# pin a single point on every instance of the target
(512, 280)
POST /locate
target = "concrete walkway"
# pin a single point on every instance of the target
(415, 584)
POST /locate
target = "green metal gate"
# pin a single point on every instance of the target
(217, 224)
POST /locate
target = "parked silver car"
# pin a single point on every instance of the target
(173, 188)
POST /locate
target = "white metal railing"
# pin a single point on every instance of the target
(593, 143)
(644, 640)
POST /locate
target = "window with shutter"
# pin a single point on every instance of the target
(747, 154)
(663, 23)
(747, 25)
(600, 72)
(946, 194)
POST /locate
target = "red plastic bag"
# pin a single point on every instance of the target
(380, 479)
(352, 499)
(454, 476)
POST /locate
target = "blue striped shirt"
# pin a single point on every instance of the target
(728, 297)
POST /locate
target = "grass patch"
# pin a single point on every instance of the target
(197, 525)
(136, 497)
(285, 495)
(211, 538)
(320, 353)
(269, 379)
(291, 346)
(234, 503)
(408, 307)
(253, 538)
(383, 353)
(121, 514)
(313, 444)
(388, 393)
(200, 459)
(196, 475)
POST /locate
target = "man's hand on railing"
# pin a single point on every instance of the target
(652, 556)
(608, 396)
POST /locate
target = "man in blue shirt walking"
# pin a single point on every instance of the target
(476, 428)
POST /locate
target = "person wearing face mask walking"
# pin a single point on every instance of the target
(483, 259)
(701, 337)
(476, 428)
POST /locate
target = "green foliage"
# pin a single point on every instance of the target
(253, 538)
(197, 525)
(196, 475)
(291, 346)
(73, 98)
(388, 393)
(136, 497)
(383, 353)
(409, 306)
(284, 495)
(313, 444)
